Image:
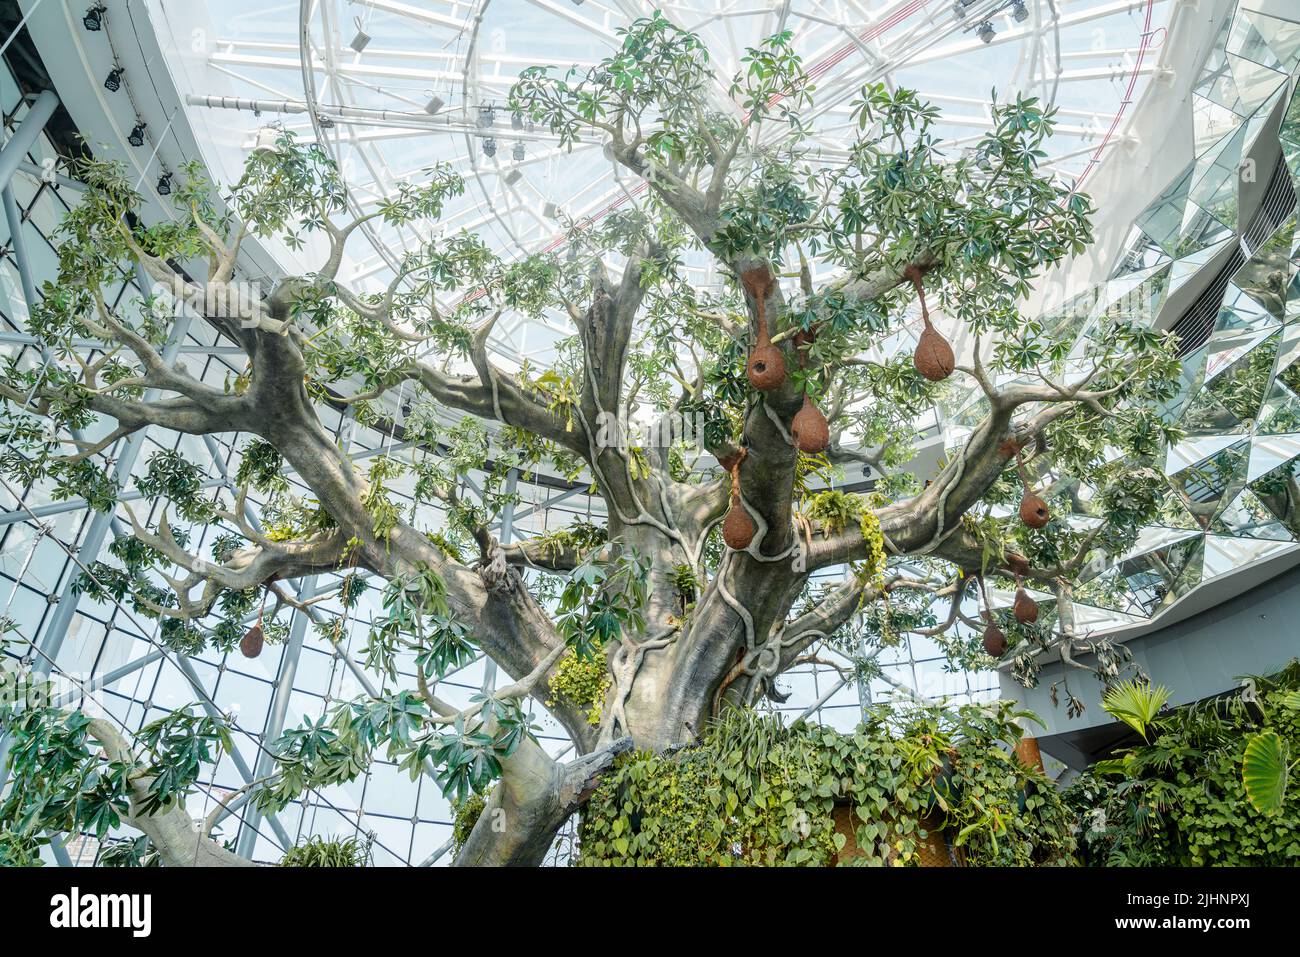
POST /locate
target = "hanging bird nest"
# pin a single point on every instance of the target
(1024, 608)
(738, 528)
(933, 357)
(766, 366)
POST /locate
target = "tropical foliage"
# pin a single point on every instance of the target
(758, 792)
(1200, 792)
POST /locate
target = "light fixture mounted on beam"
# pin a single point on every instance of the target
(113, 82)
(361, 40)
(93, 19)
(268, 139)
(136, 136)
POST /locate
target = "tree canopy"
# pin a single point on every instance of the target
(695, 592)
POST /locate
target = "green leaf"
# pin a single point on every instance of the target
(1264, 771)
(1136, 703)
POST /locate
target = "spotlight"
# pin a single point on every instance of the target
(550, 210)
(986, 31)
(136, 136)
(513, 177)
(164, 183)
(406, 410)
(268, 139)
(487, 116)
(518, 153)
(489, 147)
(360, 41)
(113, 82)
(326, 123)
(1019, 11)
(434, 105)
(94, 18)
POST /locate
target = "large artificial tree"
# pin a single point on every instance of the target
(694, 597)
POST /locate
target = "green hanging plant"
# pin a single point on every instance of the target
(467, 813)
(329, 852)
(835, 510)
(581, 682)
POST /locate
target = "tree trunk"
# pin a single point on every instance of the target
(530, 804)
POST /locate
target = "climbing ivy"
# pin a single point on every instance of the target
(581, 682)
(757, 792)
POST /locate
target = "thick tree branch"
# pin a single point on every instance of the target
(171, 830)
(530, 803)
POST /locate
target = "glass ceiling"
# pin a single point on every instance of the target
(377, 68)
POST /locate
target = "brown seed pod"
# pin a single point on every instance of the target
(251, 646)
(1017, 563)
(1025, 608)
(738, 528)
(933, 357)
(1033, 510)
(995, 642)
(766, 369)
(809, 429)
(766, 366)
